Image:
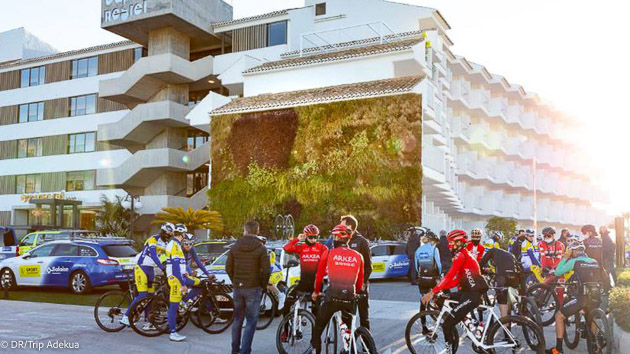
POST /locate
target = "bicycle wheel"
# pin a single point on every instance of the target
(331, 342)
(144, 315)
(572, 328)
(110, 308)
(295, 337)
(528, 308)
(546, 300)
(598, 333)
(364, 342)
(430, 340)
(268, 309)
(216, 313)
(523, 336)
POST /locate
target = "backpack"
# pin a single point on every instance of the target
(428, 272)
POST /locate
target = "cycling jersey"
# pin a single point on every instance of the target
(464, 273)
(176, 261)
(594, 248)
(589, 276)
(427, 261)
(551, 254)
(153, 249)
(191, 256)
(309, 261)
(528, 257)
(344, 267)
(502, 260)
(475, 251)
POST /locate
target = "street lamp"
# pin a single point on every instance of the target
(131, 202)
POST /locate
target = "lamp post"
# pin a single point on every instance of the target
(131, 203)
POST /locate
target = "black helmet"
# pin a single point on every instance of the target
(418, 230)
(549, 231)
(432, 236)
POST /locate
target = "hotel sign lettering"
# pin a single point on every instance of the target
(123, 10)
(26, 198)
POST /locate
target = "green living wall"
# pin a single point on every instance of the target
(319, 162)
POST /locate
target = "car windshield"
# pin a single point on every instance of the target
(221, 260)
(119, 251)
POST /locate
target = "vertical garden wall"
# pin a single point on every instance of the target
(320, 161)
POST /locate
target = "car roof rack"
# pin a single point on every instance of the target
(98, 238)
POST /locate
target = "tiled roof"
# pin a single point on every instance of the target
(251, 18)
(320, 95)
(65, 54)
(373, 49)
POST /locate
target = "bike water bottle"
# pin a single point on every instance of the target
(345, 333)
(479, 331)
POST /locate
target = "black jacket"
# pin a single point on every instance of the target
(362, 245)
(412, 245)
(248, 263)
(446, 257)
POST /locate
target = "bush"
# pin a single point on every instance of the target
(620, 305)
(623, 278)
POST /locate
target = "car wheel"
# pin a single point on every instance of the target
(7, 277)
(80, 283)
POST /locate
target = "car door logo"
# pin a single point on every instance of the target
(30, 271)
(56, 270)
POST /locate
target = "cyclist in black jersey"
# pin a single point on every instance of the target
(508, 274)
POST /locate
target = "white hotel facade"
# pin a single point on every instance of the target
(133, 117)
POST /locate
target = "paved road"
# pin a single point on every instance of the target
(392, 304)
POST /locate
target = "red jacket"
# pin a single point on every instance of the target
(464, 273)
(344, 267)
(309, 261)
(550, 253)
(475, 251)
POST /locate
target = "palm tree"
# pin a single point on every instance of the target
(193, 219)
(112, 218)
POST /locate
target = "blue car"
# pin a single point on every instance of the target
(389, 260)
(80, 264)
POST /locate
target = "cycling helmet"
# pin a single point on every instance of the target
(342, 231)
(189, 239)
(181, 229)
(168, 227)
(497, 235)
(578, 245)
(549, 231)
(456, 235)
(539, 237)
(572, 238)
(475, 234)
(432, 236)
(419, 230)
(311, 230)
(589, 228)
(530, 232)
(262, 239)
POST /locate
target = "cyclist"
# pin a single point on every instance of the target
(154, 248)
(519, 237)
(178, 278)
(528, 255)
(474, 247)
(465, 274)
(344, 267)
(428, 267)
(588, 273)
(493, 241)
(508, 274)
(191, 256)
(310, 252)
(551, 250)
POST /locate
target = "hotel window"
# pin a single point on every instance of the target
(84, 142)
(31, 112)
(196, 181)
(28, 184)
(277, 33)
(196, 139)
(320, 9)
(30, 147)
(33, 77)
(82, 105)
(84, 67)
(80, 181)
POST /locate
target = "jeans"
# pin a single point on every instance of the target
(246, 306)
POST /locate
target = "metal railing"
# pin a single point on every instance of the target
(321, 41)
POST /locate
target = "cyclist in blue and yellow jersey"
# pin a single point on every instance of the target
(191, 256)
(152, 255)
(528, 252)
(517, 239)
(493, 241)
(178, 278)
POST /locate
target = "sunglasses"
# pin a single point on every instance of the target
(187, 243)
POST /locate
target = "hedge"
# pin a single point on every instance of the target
(623, 278)
(620, 305)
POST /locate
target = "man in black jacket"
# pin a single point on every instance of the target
(361, 245)
(446, 257)
(249, 270)
(609, 249)
(413, 242)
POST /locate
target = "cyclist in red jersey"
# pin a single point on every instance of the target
(310, 252)
(474, 247)
(344, 268)
(551, 250)
(466, 275)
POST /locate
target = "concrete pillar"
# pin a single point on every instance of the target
(169, 40)
(169, 183)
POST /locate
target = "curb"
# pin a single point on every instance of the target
(621, 338)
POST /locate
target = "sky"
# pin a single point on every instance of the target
(572, 53)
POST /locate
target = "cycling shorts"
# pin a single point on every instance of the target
(504, 281)
(144, 276)
(176, 286)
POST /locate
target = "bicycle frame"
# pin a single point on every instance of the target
(296, 308)
(447, 308)
(353, 327)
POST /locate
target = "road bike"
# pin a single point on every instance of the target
(268, 309)
(521, 305)
(296, 328)
(514, 334)
(550, 295)
(358, 341)
(111, 306)
(592, 325)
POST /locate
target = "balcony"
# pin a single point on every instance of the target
(461, 128)
(433, 158)
(460, 90)
(528, 120)
(543, 125)
(514, 114)
(479, 98)
(526, 209)
(499, 107)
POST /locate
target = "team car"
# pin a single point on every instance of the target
(38, 238)
(389, 260)
(8, 243)
(209, 251)
(79, 265)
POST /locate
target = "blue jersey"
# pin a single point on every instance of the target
(153, 252)
(426, 258)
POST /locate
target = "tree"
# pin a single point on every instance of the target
(505, 225)
(112, 218)
(193, 219)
